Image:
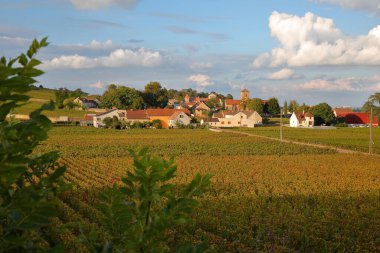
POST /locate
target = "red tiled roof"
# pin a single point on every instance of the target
(359, 118)
(301, 116)
(136, 114)
(89, 116)
(232, 102)
(164, 112)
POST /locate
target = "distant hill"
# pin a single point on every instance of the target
(40, 96)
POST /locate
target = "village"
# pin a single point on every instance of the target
(197, 111)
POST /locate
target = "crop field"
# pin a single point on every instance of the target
(345, 137)
(265, 196)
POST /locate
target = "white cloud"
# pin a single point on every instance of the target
(201, 66)
(372, 6)
(14, 40)
(97, 4)
(343, 84)
(117, 58)
(282, 74)
(202, 81)
(97, 85)
(101, 45)
(313, 40)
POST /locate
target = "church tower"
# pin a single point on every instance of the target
(244, 94)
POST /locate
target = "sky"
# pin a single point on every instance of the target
(309, 50)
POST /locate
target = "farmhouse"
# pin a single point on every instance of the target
(133, 116)
(234, 119)
(86, 102)
(302, 119)
(165, 116)
(202, 110)
(98, 119)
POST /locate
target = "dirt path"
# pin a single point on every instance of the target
(338, 150)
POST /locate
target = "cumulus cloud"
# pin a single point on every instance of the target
(343, 84)
(97, 4)
(202, 81)
(313, 40)
(97, 85)
(117, 58)
(201, 66)
(372, 6)
(282, 74)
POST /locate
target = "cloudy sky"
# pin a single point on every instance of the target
(309, 50)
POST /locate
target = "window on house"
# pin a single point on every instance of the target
(181, 116)
(222, 122)
(229, 122)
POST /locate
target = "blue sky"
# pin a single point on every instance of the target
(309, 50)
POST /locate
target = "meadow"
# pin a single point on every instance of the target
(265, 196)
(43, 96)
(345, 137)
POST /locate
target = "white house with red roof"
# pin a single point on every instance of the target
(234, 119)
(302, 119)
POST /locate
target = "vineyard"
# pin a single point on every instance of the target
(266, 196)
(349, 138)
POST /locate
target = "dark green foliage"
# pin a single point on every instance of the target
(323, 114)
(285, 109)
(122, 97)
(139, 214)
(256, 104)
(293, 106)
(63, 94)
(273, 106)
(229, 96)
(155, 96)
(157, 124)
(28, 182)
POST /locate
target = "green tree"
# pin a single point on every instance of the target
(374, 103)
(323, 114)
(139, 213)
(293, 106)
(28, 182)
(68, 103)
(229, 96)
(60, 95)
(256, 104)
(122, 97)
(273, 106)
(285, 108)
(155, 96)
(107, 122)
(157, 124)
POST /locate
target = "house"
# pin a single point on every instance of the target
(202, 110)
(87, 103)
(302, 119)
(88, 120)
(133, 116)
(165, 116)
(232, 104)
(234, 119)
(98, 119)
(213, 122)
(179, 118)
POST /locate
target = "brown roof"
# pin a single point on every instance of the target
(106, 112)
(164, 112)
(211, 120)
(137, 114)
(342, 111)
(232, 102)
(301, 116)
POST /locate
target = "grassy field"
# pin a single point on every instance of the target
(39, 97)
(345, 137)
(266, 196)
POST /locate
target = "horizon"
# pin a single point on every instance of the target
(313, 51)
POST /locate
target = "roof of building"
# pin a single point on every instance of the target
(137, 114)
(211, 120)
(360, 118)
(104, 113)
(342, 111)
(301, 116)
(164, 112)
(232, 102)
(175, 114)
(89, 116)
